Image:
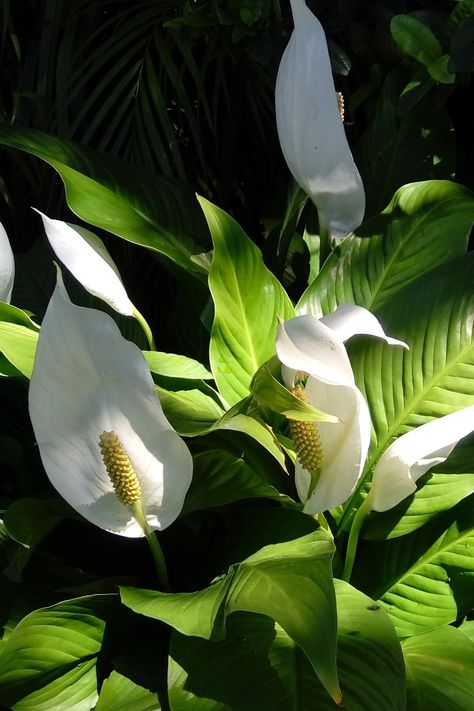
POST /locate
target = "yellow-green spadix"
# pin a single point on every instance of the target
(312, 350)
(90, 390)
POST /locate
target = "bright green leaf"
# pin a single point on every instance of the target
(176, 366)
(247, 301)
(269, 392)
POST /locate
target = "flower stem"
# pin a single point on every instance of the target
(146, 328)
(157, 553)
(159, 559)
(357, 522)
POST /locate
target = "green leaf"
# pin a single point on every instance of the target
(425, 225)
(191, 412)
(415, 39)
(213, 676)
(157, 213)
(289, 582)
(49, 660)
(221, 477)
(404, 389)
(27, 522)
(440, 671)
(176, 366)
(121, 694)
(18, 345)
(447, 485)
(12, 314)
(269, 392)
(247, 300)
(440, 70)
(426, 579)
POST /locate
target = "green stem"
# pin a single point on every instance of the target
(146, 328)
(357, 522)
(322, 520)
(159, 559)
(157, 553)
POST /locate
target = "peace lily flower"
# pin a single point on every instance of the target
(413, 454)
(310, 129)
(7, 267)
(104, 441)
(316, 367)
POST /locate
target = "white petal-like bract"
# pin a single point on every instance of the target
(310, 129)
(7, 267)
(87, 379)
(86, 257)
(413, 454)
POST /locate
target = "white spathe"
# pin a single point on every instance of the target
(88, 379)
(413, 454)
(7, 267)
(85, 256)
(310, 129)
(315, 346)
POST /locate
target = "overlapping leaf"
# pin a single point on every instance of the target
(425, 225)
(213, 676)
(289, 582)
(49, 660)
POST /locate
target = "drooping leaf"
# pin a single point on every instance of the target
(212, 676)
(289, 582)
(157, 213)
(247, 301)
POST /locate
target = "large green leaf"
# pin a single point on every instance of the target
(404, 389)
(426, 579)
(440, 671)
(247, 301)
(49, 660)
(157, 213)
(218, 676)
(425, 225)
(289, 582)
